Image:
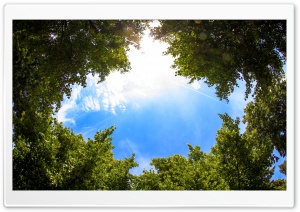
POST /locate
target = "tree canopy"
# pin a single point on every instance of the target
(49, 56)
(195, 172)
(224, 51)
(267, 114)
(62, 160)
(244, 160)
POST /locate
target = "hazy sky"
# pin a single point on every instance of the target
(156, 113)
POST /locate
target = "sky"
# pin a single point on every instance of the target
(156, 113)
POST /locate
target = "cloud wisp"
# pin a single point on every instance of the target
(69, 105)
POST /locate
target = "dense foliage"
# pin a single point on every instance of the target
(224, 51)
(267, 114)
(197, 172)
(50, 56)
(62, 160)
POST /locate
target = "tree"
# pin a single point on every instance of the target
(224, 51)
(243, 161)
(148, 180)
(172, 172)
(267, 115)
(204, 171)
(62, 160)
(180, 173)
(106, 173)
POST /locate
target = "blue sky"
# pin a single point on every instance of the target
(156, 113)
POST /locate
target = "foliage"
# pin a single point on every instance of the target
(267, 114)
(243, 161)
(283, 167)
(62, 160)
(278, 184)
(180, 173)
(224, 51)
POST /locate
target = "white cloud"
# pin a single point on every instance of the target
(68, 104)
(195, 85)
(91, 103)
